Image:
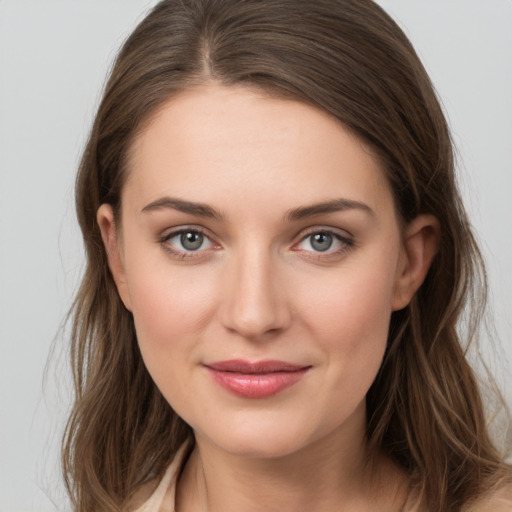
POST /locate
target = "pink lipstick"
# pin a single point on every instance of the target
(260, 379)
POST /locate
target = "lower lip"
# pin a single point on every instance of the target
(256, 385)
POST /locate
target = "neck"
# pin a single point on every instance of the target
(328, 474)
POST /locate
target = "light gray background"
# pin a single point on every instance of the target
(53, 59)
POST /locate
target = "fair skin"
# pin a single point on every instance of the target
(254, 228)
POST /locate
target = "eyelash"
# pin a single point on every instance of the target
(346, 243)
(184, 254)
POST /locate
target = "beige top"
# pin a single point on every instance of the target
(499, 502)
(167, 487)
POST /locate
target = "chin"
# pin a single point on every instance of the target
(263, 446)
(261, 437)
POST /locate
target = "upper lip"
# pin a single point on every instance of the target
(247, 367)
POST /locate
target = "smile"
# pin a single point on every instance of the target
(255, 380)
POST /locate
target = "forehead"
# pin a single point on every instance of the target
(215, 143)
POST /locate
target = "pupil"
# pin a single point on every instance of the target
(191, 240)
(321, 241)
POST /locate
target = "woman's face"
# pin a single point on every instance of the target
(260, 253)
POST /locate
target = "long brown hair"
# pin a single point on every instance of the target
(346, 57)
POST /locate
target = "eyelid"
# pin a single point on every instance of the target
(338, 232)
(345, 238)
(185, 254)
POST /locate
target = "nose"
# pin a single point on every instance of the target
(254, 304)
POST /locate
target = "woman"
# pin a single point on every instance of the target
(277, 260)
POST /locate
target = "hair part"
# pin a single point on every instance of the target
(348, 58)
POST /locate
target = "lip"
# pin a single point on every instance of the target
(258, 379)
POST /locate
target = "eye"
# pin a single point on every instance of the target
(324, 241)
(191, 240)
(320, 241)
(185, 241)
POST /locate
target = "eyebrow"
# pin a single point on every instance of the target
(198, 209)
(204, 210)
(336, 205)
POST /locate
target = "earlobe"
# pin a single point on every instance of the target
(421, 238)
(110, 236)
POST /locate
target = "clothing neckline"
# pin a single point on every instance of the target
(166, 489)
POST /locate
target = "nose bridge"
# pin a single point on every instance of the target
(254, 305)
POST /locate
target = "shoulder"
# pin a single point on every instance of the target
(497, 501)
(143, 494)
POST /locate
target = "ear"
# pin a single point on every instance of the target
(110, 236)
(421, 238)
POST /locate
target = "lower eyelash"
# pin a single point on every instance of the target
(347, 244)
(181, 255)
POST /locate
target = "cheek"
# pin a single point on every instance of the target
(170, 311)
(349, 318)
(355, 301)
(170, 308)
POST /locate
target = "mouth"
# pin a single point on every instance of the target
(259, 379)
